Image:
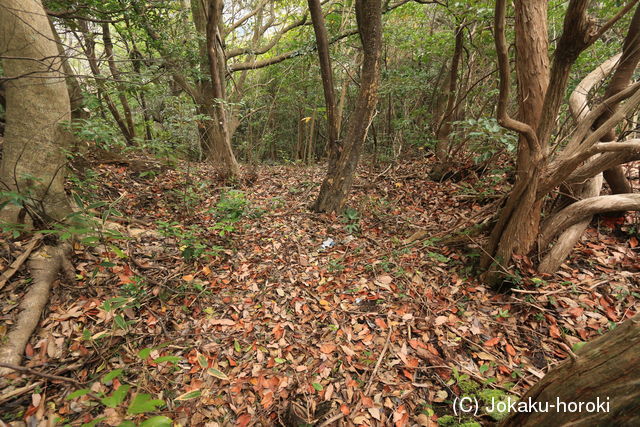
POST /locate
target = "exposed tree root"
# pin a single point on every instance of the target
(15, 266)
(586, 208)
(44, 266)
(568, 239)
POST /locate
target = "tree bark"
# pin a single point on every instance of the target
(33, 159)
(605, 370)
(624, 64)
(337, 184)
(518, 224)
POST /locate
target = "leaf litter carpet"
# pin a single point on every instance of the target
(285, 317)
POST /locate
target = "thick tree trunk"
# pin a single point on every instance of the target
(599, 388)
(33, 158)
(337, 184)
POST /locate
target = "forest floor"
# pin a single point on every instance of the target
(244, 308)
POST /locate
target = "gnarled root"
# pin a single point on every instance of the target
(44, 266)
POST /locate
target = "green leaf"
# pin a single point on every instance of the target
(236, 346)
(143, 403)
(127, 424)
(279, 360)
(218, 374)
(144, 353)
(202, 361)
(111, 375)
(171, 359)
(119, 252)
(190, 395)
(117, 397)
(159, 421)
(77, 393)
(122, 324)
(317, 386)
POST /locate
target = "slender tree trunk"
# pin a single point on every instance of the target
(76, 98)
(90, 52)
(337, 184)
(519, 220)
(115, 73)
(444, 127)
(615, 176)
(326, 72)
(211, 93)
(33, 158)
(220, 151)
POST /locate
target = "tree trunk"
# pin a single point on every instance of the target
(90, 52)
(540, 168)
(337, 184)
(218, 142)
(444, 127)
(326, 72)
(626, 64)
(605, 373)
(615, 176)
(33, 158)
(115, 73)
(519, 220)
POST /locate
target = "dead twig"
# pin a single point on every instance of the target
(30, 371)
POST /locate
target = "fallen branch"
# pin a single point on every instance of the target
(39, 373)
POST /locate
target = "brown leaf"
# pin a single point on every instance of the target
(327, 348)
(510, 349)
(492, 342)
